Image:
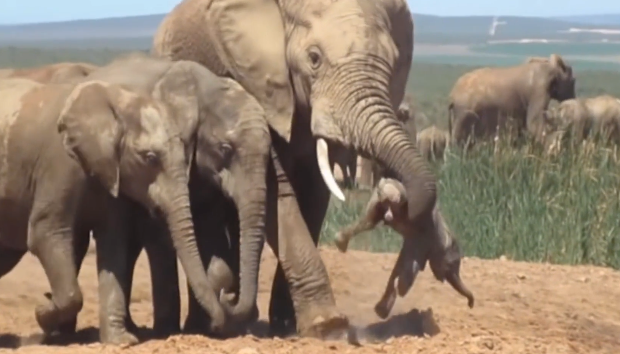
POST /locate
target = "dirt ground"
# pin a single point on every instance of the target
(520, 308)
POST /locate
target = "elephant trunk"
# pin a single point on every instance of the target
(179, 220)
(250, 196)
(366, 120)
(454, 279)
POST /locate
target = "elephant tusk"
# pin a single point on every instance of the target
(322, 155)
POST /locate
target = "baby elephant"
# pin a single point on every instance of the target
(432, 242)
(433, 142)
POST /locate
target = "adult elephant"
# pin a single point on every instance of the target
(327, 73)
(227, 144)
(488, 101)
(52, 73)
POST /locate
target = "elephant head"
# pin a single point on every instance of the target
(346, 58)
(445, 256)
(561, 79)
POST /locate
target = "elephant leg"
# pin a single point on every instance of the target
(112, 255)
(366, 173)
(164, 277)
(134, 248)
(81, 242)
(50, 239)
(308, 304)
(9, 259)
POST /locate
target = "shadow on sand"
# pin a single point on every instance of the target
(90, 335)
(413, 323)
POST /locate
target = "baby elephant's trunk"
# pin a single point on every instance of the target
(455, 280)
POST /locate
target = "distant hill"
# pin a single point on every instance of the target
(136, 32)
(607, 19)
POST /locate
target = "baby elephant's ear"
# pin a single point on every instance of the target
(91, 131)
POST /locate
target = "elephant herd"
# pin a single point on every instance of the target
(216, 141)
(224, 137)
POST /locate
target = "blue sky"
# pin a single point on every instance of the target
(25, 11)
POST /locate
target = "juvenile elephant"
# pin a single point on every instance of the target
(227, 145)
(69, 152)
(489, 101)
(433, 142)
(584, 117)
(372, 172)
(327, 73)
(51, 74)
(431, 241)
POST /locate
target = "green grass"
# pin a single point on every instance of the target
(513, 202)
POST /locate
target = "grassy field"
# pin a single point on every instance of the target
(509, 202)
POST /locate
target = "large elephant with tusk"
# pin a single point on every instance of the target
(328, 73)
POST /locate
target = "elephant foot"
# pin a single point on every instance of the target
(333, 325)
(51, 318)
(341, 242)
(122, 339)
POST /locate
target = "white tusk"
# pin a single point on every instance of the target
(322, 155)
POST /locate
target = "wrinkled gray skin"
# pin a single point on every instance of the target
(225, 132)
(327, 73)
(78, 147)
(585, 117)
(346, 159)
(493, 100)
(51, 74)
(372, 172)
(433, 243)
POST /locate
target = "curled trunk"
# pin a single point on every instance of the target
(373, 128)
(455, 281)
(179, 219)
(250, 195)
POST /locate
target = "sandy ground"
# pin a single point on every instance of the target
(520, 308)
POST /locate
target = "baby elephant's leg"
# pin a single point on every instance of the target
(373, 215)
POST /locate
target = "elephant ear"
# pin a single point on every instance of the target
(558, 62)
(255, 58)
(91, 132)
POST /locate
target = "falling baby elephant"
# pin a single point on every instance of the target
(424, 240)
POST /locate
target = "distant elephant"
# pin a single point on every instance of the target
(227, 147)
(372, 172)
(346, 159)
(431, 241)
(488, 101)
(69, 151)
(51, 74)
(433, 142)
(585, 117)
(327, 73)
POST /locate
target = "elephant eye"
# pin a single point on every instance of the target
(151, 158)
(226, 151)
(315, 57)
